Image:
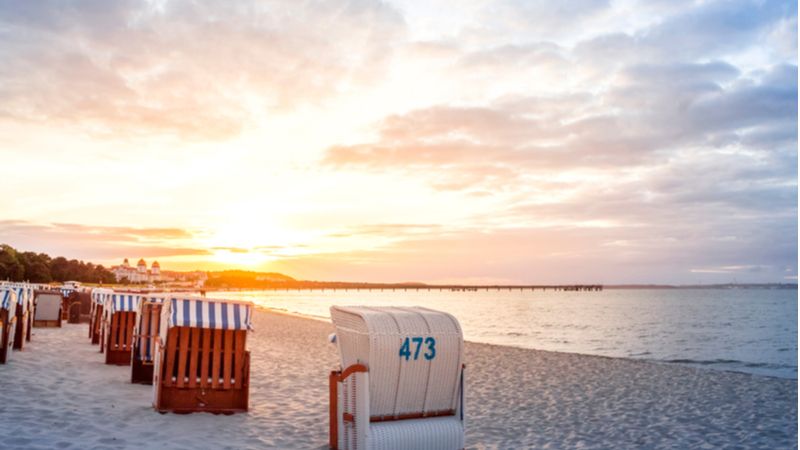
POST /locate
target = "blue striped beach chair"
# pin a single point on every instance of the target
(145, 335)
(8, 321)
(24, 313)
(119, 319)
(99, 297)
(202, 362)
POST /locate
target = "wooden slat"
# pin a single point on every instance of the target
(227, 358)
(205, 354)
(141, 341)
(113, 331)
(238, 357)
(172, 339)
(127, 327)
(184, 352)
(216, 358)
(194, 353)
(126, 343)
(102, 332)
(130, 328)
(155, 311)
(123, 326)
(115, 335)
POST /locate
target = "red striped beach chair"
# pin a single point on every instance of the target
(401, 382)
(202, 362)
(119, 319)
(8, 321)
(148, 319)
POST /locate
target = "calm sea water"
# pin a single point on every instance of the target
(746, 330)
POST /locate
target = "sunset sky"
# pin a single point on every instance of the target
(493, 141)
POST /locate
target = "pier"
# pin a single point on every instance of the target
(453, 288)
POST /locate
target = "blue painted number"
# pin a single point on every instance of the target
(431, 353)
(405, 348)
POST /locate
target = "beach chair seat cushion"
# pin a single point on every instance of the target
(421, 434)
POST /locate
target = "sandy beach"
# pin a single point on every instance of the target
(59, 394)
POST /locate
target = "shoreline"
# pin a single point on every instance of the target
(58, 393)
(694, 365)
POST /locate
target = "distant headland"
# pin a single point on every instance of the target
(41, 268)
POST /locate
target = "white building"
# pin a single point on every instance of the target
(140, 274)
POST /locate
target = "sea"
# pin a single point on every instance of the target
(751, 330)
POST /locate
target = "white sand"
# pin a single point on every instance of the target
(59, 394)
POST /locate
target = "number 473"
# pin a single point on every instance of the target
(430, 353)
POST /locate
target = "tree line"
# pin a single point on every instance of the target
(41, 268)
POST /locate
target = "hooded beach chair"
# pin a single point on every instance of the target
(99, 297)
(401, 383)
(24, 312)
(119, 314)
(48, 308)
(202, 362)
(148, 320)
(8, 321)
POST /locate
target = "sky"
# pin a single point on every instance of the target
(472, 142)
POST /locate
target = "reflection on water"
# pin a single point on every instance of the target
(747, 330)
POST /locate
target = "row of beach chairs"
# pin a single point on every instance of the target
(400, 383)
(193, 350)
(22, 307)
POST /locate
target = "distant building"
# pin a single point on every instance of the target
(140, 274)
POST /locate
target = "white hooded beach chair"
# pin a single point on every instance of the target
(202, 362)
(401, 382)
(145, 335)
(48, 308)
(8, 321)
(119, 317)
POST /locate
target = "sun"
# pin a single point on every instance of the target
(251, 241)
(240, 257)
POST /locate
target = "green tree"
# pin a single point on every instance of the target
(10, 267)
(36, 267)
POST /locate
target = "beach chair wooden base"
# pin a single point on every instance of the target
(217, 401)
(5, 335)
(120, 338)
(29, 326)
(47, 323)
(22, 328)
(94, 325)
(203, 370)
(141, 372)
(118, 357)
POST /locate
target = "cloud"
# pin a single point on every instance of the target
(194, 70)
(665, 147)
(703, 31)
(97, 242)
(534, 141)
(649, 113)
(389, 229)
